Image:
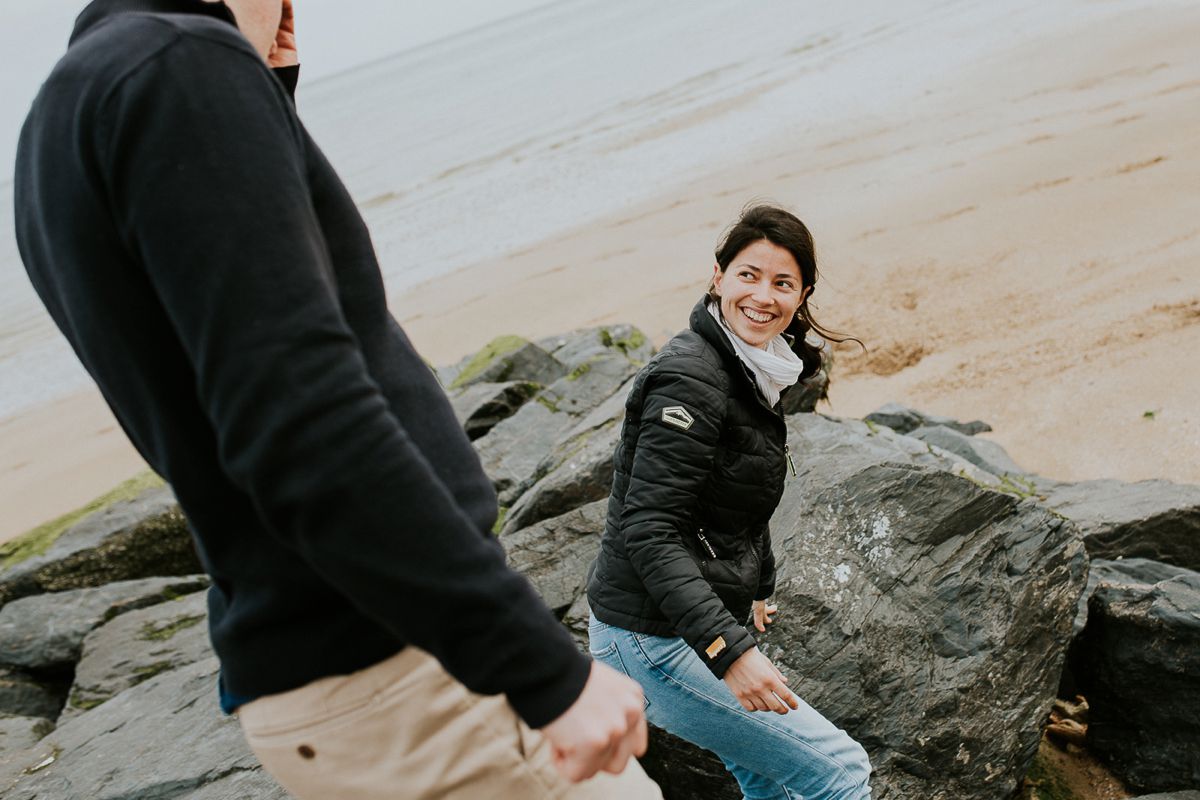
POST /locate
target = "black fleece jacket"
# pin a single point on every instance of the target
(215, 278)
(696, 476)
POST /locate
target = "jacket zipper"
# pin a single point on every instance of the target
(704, 541)
(788, 453)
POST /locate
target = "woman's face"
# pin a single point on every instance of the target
(760, 292)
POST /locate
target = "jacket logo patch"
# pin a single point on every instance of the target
(714, 649)
(677, 416)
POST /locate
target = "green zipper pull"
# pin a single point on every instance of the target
(787, 452)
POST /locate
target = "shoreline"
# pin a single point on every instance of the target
(1016, 247)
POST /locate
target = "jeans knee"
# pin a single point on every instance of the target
(855, 775)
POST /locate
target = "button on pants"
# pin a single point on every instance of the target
(404, 729)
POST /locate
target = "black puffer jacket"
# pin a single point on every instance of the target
(697, 474)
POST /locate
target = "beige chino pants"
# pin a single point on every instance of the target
(404, 729)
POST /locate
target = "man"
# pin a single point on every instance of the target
(215, 278)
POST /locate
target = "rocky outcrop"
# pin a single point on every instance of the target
(514, 450)
(986, 455)
(164, 738)
(555, 554)
(926, 614)
(135, 647)
(139, 538)
(581, 345)
(505, 358)
(481, 405)
(46, 632)
(1188, 795)
(1133, 571)
(903, 419)
(1155, 519)
(1138, 663)
(578, 469)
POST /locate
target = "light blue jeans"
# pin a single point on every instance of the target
(798, 756)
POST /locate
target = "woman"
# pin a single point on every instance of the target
(686, 555)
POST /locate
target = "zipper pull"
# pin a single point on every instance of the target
(787, 452)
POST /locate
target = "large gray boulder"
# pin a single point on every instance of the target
(1188, 795)
(135, 647)
(46, 631)
(903, 419)
(1138, 663)
(505, 358)
(514, 449)
(579, 467)
(144, 537)
(923, 612)
(163, 739)
(584, 344)
(1133, 571)
(1154, 519)
(985, 454)
(555, 554)
(480, 406)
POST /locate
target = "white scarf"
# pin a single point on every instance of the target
(774, 368)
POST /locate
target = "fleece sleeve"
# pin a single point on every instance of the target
(205, 163)
(676, 446)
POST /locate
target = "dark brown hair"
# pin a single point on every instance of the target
(783, 229)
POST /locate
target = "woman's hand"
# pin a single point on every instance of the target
(758, 684)
(762, 614)
(283, 50)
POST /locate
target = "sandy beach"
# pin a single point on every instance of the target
(1018, 245)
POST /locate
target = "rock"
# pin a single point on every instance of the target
(985, 454)
(1136, 571)
(135, 647)
(926, 614)
(687, 772)
(505, 358)
(1138, 664)
(579, 468)
(576, 621)
(481, 405)
(555, 554)
(165, 738)
(46, 632)
(822, 437)
(19, 733)
(804, 396)
(1154, 519)
(24, 695)
(578, 346)
(902, 419)
(139, 538)
(253, 785)
(1188, 795)
(514, 449)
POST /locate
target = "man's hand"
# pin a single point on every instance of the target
(602, 729)
(283, 51)
(762, 614)
(758, 684)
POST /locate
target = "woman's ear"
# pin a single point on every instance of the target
(714, 285)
